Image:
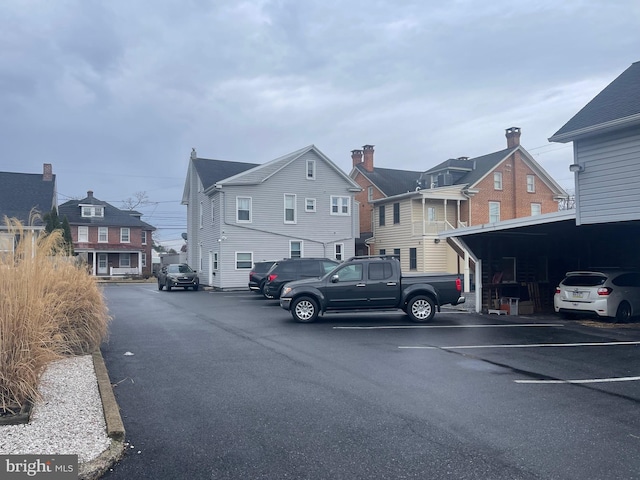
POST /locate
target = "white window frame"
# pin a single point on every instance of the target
(531, 183)
(536, 209)
(310, 172)
(238, 199)
(213, 209)
(83, 234)
(200, 214)
(88, 211)
(101, 231)
(245, 262)
(294, 197)
(144, 259)
(291, 242)
(125, 235)
(338, 251)
(124, 260)
(340, 202)
(144, 237)
(7, 242)
(309, 204)
(369, 193)
(215, 260)
(497, 180)
(431, 214)
(493, 216)
(200, 259)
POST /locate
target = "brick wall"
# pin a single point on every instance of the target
(515, 201)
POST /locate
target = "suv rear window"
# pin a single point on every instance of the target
(584, 280)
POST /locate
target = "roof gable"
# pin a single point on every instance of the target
(617, 106)
(22, 192)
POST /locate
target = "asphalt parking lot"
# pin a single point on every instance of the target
(227, 385)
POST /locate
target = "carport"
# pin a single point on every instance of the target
(525, 258)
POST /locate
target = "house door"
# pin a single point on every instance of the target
(102, 264)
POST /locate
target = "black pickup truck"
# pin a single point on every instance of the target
(371, 283)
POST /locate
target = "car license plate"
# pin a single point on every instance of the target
(576, 295)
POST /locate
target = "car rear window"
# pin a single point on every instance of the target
(584, 280)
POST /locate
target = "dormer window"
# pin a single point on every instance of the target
(92, 211)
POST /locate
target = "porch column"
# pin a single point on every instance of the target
(139, 263)
(478, 286)
(94, 254)
(467, 281)
(458, 213)
(445, 214)
(424, 221)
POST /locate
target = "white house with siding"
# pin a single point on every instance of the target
(298, 205)
(606, 148)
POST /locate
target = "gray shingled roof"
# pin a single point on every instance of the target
(212, 171)
(20, 192)
(619, 100)
(395, 182)
(392, 182)
(113, 217)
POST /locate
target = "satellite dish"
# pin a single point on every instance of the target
(184, 236)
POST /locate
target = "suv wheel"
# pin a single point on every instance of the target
(421, 309)
(304, 310)
(623, 315)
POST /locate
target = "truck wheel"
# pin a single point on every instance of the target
(421, 309)
(304, 310)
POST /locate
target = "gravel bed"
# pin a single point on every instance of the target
(68, 420)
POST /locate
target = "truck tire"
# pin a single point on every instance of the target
(421, 309)
(304, 310)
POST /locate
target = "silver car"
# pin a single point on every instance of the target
(611, 293)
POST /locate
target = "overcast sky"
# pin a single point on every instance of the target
(114, 94)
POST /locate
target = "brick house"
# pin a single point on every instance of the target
(111, 241)
(407, 210)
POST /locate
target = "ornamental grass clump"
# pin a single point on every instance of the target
(49, 307)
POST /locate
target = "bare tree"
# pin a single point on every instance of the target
(139, 198)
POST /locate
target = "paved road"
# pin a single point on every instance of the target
(227, 386)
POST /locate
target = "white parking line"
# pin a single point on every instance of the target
(392, 327)
(532, 345)
(591, 380)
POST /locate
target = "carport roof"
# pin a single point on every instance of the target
(515, 225)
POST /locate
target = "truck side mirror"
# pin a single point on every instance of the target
(335, 278)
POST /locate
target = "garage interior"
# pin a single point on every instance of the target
(528, 262)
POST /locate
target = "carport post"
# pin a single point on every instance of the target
(478, 286)
(467, 282)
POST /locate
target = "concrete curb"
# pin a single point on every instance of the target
(95, 468)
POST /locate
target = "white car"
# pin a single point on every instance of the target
(611, 293)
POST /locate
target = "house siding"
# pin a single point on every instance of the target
(267, 236)
(607, 189)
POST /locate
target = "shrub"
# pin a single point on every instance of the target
(49, 307)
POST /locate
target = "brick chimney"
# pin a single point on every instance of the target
(356, 157)
(47, 172)
(368, 158)
(513, 137)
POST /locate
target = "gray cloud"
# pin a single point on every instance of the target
(115, 94)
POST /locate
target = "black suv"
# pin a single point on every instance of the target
(291, 269)
(258, 275)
